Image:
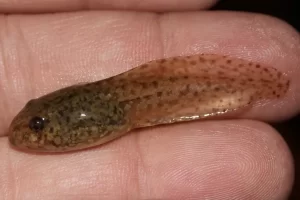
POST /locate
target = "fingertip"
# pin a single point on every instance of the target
(219, 160)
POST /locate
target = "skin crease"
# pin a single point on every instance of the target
(242, 159)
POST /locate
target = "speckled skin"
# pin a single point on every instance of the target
(158, 92)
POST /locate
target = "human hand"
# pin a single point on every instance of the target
(228, 159)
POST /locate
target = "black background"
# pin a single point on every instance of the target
(287, 11)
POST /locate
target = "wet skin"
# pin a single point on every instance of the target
(163, 91)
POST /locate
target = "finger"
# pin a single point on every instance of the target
(41, 6)
(207, 160)
(45, 53)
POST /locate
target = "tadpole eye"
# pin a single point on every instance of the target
(37, 124)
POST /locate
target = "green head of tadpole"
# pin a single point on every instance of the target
(69, 119)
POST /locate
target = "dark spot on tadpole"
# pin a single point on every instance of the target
(221, 73)
(201, 59)
(71, 109)
(169, 92)
(162, 61)
(59, 122)
(84, 98)
(144, 66)
(144, 85)
(132, 91)
(86, 90)
(235, 69)
(172, 62)
(188, 87)
(184, 92)
(257, 66)
(172, 79)
(155, 84)
(217, 89)
(97, 97)
(51, 130)
(70, 96)
(113, 122)
(278, 74)
(159, 94)
(243, 82)
(149, 106)
(193, 62)
(88, 109)
(67, 119)
(61, 113)
(46, 105)
(228, 61)
(160, 104)
(123, 87)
